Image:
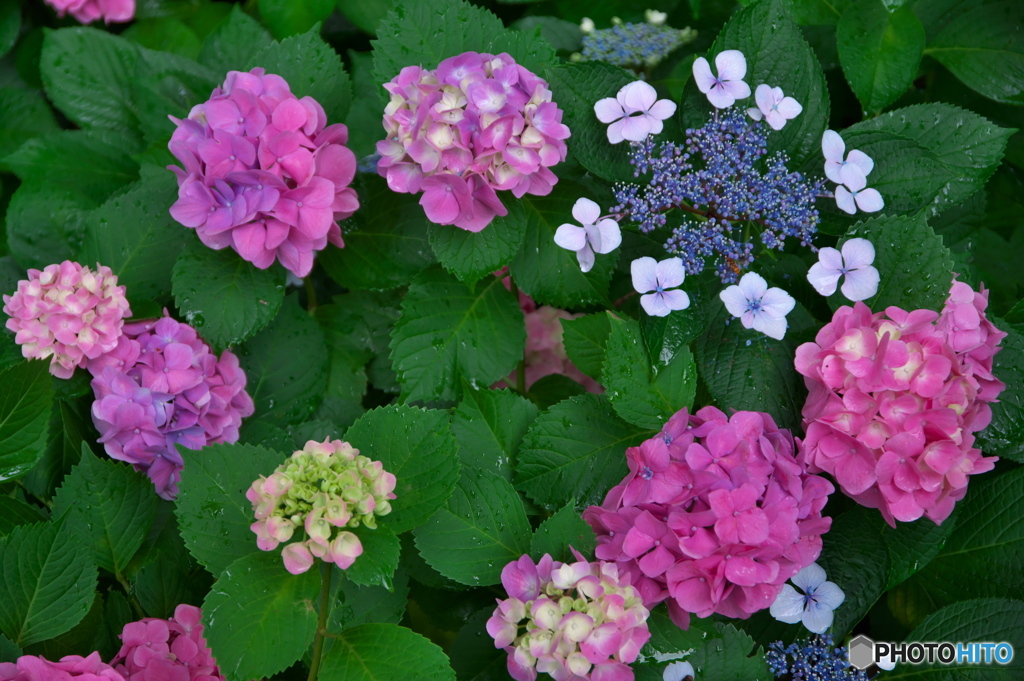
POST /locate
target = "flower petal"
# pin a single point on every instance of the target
(844, 200)
(788, 606)
(635, 128)
(832, 146)
(852, 176)
(645, 274)
(615, 131)
(671, 272)
(869, 201)
(823, 279)
(858, 253)
(720, 97)
(858, 158)
(817, 619)
(810, 578)
(753, 285)
(676, 299)
(611, 235)
(731, 65)
(777, 303)
(737, 89)
(755, 113)
(571, 237)
(861, 284)
(654, 305)
(789, 107)
(585, 257)
(829, 595)
(773, 327)
(608, 110)
(763, 98)
(637, 96)
(662, 109)
(702, 74)
(735, 301)
(586, 211)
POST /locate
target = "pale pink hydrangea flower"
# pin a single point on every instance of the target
(263, 172)
(634, 112)
(161, 386)
(850, 172)
(854, 263)
(475, 125)
(724, 89)
(38, 668)
(715, 515)
(577, 620)
(167, 650)
(88, 11)
(757, 306)
(658, 282)
(67, 313)
(773, 106)
(592, 235)
(312, 497)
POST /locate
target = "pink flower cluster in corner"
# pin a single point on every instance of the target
(475, 125)
(162, 386)
(88, 11)
(38, 668)
(319, 491)
(577, 620)
(715, 515)
(895, 398)
(264, 173)
(167, 650)
(68, 313)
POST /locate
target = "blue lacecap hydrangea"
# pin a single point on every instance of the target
(631, 44)
(813, 659)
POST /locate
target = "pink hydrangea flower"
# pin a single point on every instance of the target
(715, 515)
(634, 112)
(161, 386)
(577, 620)
(475, 125)
(67, 313)
(319, 491)
(38, 668)
(263, 172)
(88, 11)
(172, 650)
(894, 400)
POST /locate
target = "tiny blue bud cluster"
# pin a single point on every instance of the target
(721, 177)
(811, 660)
(633, 45)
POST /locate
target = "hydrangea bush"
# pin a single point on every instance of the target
(464, 340)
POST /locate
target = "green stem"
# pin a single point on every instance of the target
(132, 598)
(321, 625)
(521, 367)
(310, 293)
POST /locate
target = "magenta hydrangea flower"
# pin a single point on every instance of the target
(67, 313)
(88, 11)
(263, 172)
(319, 491)
(38, 668)
(475, 125)
(577, 620)
(895, 398)
(715, 515)
(172, 650)
(162, 386)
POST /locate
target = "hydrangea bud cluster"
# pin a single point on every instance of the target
(319, 491)
(895, 398)
(719, 168)
(38, 668)
(813, 659)
(638, 46)
(715, 515)
(67, 313)
(160, 387)
(167, 649)
(475, 125)
(263, 172)
(577, 620)
(88, 11)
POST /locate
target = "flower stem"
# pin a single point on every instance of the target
(310, 293)
(132, 598)
(321, 625)
(521, 367)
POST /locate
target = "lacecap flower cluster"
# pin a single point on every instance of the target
(715, 515)
(162, 386)
(895, 398)
(67, 313)
(634, 45)
(475, 125)
(319, 491)
(167, 650)
(263, 172)
(577, 620)
(88, 11)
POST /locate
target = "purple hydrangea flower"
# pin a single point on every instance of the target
(658, 281)
(813, 604)
(759, 307)
(854, 262)
(634, 112)
(724, 89)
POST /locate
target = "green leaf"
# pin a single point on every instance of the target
(913, 545)
(474, 660)
(384, 652)
(68, 430)
(880, 51)
(388, 245)
(366, 14)
(575, 449)
(719, 650)
(481, 529)
(585, 339)
(914, 265)
(46, 586)
(1004, 436)
(855, 557)
(547, 272)
(449, 332)
(134, 235)
(289, 17)
(417, 446)
(8, 651)
(44, 224)
(25, 405)
(233, 44)
(745, 370)
(575, 88)
(171, 576)
(111, 506)
(213, 514)
(286, 365)
(564, 36)
(377, 565)
(982, 45)
(564, 530)
(312, 68)
(643, 393)
(24, 114)
(817, 12)
(14, 513)
(165, 35)
(10, 26)
(490, 425)
(365, 604)
(472, 256)
(273, 629)
(225, 298)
